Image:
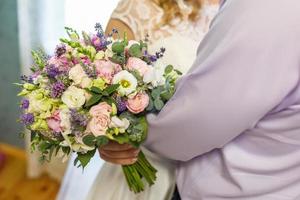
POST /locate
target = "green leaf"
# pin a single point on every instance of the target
(158, 104)
(93, 100)
(169, 69)
(118, 47)
(84, 158)
(32, 135)
(101, 141)
(96, 90)
(112, 88)
(89, 140)
(135, 50)
(51, 152)
(66, 150)
(44, 146)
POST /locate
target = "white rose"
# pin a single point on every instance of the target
(122, 124)
(127, 81)
(73, 97)
(79, 77)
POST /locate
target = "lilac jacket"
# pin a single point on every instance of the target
(234, 122)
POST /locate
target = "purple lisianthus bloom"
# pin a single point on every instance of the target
(52, 71)
(121, 104)
(57, 89)
(27, 119)
(24, 104)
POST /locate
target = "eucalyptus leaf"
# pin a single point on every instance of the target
(150, 105)
(169, 69)
(158, 104)
(135, 50)
(118, 47)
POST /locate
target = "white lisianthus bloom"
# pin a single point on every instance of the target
(155, 75)
(79, 77)
(121, 124)
(127, 81)
(73, 97)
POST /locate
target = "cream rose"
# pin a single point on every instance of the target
(79, 77)
(73, 97)
(138, 103)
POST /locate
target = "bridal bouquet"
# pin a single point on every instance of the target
(92, 90)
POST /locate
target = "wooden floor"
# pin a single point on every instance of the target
(13, 182)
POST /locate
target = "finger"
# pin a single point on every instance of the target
(122, 161)
(114, 146)
(131, 153)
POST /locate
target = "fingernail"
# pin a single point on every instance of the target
(134, 160)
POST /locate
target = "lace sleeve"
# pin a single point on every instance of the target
(139, 15)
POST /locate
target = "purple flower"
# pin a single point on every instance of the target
(52, 71)
(121, 104)
(27, 79)
(27, 119)
(57, 89)
(60, 50)
(24, 104)
(78, 119)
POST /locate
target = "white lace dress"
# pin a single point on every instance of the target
(181, 39)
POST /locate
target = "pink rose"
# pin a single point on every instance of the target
(138, 103)
(107, 69)
(100, 119)
(99, 124)
(54, 122)
(101, 108)
(137, 64)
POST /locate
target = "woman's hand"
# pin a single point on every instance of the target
(122, 154)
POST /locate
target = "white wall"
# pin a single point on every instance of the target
(82, 15)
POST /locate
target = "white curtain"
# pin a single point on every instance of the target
(41, 24)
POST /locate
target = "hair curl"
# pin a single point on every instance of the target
(172, 10)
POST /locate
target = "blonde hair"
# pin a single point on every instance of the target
(172, 10)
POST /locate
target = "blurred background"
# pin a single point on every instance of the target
(26, 25)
